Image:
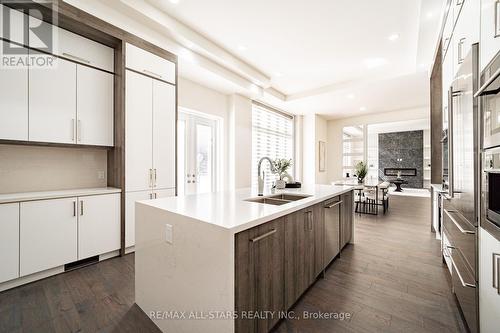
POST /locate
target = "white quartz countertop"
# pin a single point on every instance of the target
(31, 196)
(230, 211)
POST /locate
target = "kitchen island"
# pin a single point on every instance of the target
(233, 261)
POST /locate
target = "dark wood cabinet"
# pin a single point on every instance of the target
(299, 250)
(332, 216)
(346, 222)
(277, 261)
(259, 269)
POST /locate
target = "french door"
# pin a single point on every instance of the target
(196, 154)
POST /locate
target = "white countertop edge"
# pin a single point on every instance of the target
(295, 206)
(438, 188)
(46, 195)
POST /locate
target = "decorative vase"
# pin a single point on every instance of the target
(280, 184)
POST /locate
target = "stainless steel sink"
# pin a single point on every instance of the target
(269, 201)
(278, 199)
(289, 197)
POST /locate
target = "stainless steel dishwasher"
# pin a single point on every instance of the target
(332, 229)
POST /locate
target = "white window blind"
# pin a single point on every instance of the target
(272, 136)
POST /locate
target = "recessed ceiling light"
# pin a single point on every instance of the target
(351, 96)
(242, 47)
(374, 62)
(393, 37)
(278, 74)
(429, 14)
(362, 108)
(175, 2)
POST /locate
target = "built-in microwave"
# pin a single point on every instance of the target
(490, 103)
(490, 219)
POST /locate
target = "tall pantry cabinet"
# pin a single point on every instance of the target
(150, 134)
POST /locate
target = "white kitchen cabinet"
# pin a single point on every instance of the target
(164, 122)
(149, 64)
(94, 107)
(52, 103)
(130, 199)
(9, 241)
(489, 292)
(14, 100)
(48, 234)
(490, 31)
(448, 32)
(84, 50)
(17, 24)
(98, 225)
(138, 133)
(466, 31)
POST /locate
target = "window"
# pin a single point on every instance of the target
(353, 148)
(272, 136)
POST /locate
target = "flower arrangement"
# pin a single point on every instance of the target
(281, 166)
(361, 170)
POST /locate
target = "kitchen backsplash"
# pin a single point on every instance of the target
(30, 168)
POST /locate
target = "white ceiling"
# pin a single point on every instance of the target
(329, 57)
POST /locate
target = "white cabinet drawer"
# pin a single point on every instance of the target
(94, 107)
(84, 50)
(14, 102)
(98, 225)
(9, 241)
(149, 64)
(490, 30)
(48, 234)
(72, 46)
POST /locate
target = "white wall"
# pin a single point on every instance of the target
(334, 137)
(240, 141)
(314, 129)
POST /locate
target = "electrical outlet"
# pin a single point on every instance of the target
(101, 175)
(169, 233)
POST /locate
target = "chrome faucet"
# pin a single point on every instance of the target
(261, 178)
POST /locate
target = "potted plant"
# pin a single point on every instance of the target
(281, 166)
(361, 171)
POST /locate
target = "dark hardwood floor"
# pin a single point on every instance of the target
(391, 280)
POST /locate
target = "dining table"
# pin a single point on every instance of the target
(371, 183)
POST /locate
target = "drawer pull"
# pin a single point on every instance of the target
(494, 264)
(462, 281)
(145, 71)
(267, 234)
(76, 58)
(336, 203)
(498, 275)
(462, 230)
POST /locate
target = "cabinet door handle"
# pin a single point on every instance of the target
(498, 275)
(79, 130)
(494, 264)
(74, 208)
(145, 71)
(267, 234)
(497, 18)
(336, 203)
(73, 131)
(150, 177)
(81, 207)
(460, 50)
(76, 58)
(154, 177)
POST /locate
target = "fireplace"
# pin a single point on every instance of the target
(405, 172)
